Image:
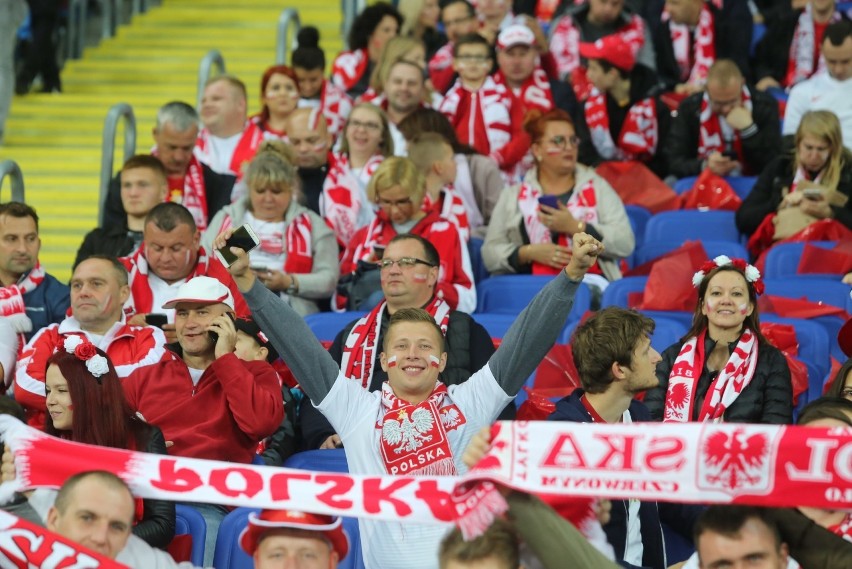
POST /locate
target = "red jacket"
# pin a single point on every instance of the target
(235, 404)
(455, 277)
(128, 347)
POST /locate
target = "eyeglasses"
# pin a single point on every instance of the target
(399, 204)
(402, 263)
(478, 59)
(562, 142)
(365, 125)
(846, 393)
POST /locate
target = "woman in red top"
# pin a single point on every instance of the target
(86, 404)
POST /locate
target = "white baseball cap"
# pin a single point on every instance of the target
(202, 290)
(516, 34)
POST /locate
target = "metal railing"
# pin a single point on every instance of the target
(109, 18)
(77, 14)
(11, 169)
(289, 18)
(213, 57)
(140, 6)
(350, 9)
(120, 111)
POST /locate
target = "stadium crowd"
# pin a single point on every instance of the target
(453, 142)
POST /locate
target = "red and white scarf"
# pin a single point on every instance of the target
(535, 93)
(12, 296)
(298, 239)
(141, 297)
(764, 465)
(639, 136)
(414, 437)
(583, 205)
(481, 118)
(844, 528)
(348, 68)
(732, 379)
(450, 206)
(565, 46)
(24, 544)
(243, 153)
(714, 131)
(335, 105)
(694, 71)
(804, 59)
(359, 351)
(341, 194)
(193, 194)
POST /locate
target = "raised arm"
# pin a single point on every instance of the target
(301, 351)
(537, 327)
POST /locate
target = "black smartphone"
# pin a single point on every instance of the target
(244, 238)
(213, 335)
(379, 251)
(158, 320)
(549, 201)
(730, 154)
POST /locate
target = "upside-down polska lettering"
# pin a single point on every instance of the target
(632, 453)
(819, 457)
(38, 551)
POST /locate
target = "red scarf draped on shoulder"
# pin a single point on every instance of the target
(804, 59)
(639, 136)
(359, 350)
(714, 131)
(731, 380)
(694, 60)
(141, 296)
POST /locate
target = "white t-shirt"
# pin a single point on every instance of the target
(271, 235)
(820, 92)
(221, 152)
(354, 412)
(163, 292)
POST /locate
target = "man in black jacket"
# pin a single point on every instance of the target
(729, 128)
(613, 354)
(408, 282)
(307, 132)
(190, 182)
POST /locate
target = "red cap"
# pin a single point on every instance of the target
(844, 338)
(327, 527)
(611, 48)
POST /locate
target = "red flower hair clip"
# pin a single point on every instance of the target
(86, 351)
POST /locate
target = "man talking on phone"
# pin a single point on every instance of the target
(728, 128)
(170, 255)
(208, 402)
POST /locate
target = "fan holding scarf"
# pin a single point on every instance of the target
(724, 369)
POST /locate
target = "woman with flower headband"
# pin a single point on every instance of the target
(86, 404)
(724, 369)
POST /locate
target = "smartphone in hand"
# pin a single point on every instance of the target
(158, 320)
(549, 201)
(213, 335)
(244, 237)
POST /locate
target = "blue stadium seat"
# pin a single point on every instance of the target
(330, 460)
(666, 333)
(229, 554)
(474, 247)
(782, 260)
(828, 291)
(510, 294)
(684, 225)
(813, 343)
(495, 324)
(639, 217)
(653, 249)
(741, 185)
(188, 520)
(326, 325)
(617, 293)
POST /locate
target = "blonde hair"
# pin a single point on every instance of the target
(427, 148)
(398, 171)
(386, 145)
(273, 166)
(395, 49)
(825, 126)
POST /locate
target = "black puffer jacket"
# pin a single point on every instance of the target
(768, 398)
(157, 526)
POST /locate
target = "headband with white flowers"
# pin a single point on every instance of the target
(750, 272)
(86, 351)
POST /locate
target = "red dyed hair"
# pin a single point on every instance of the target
(264, 81)
(536, 121)
(101, 414)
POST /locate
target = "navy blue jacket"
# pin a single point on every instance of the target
(679, 516)
(47, 304)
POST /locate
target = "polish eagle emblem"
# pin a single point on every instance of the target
(678, 399)
(409, 434)
(735, 460)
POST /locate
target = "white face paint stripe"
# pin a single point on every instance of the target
(392, 361)
(434, 361)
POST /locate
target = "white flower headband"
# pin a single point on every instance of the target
(751, 273)
(86, 351)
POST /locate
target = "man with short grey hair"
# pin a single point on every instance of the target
(190, 182)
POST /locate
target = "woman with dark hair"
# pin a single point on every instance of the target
(841, 385)
(279, 97)
(86, 404)
(478, 180)
(308, 63)
(373, 27)
(724, 369)
(365, 143)
(534, 221)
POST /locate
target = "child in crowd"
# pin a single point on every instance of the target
(308, 62)
(434, 157)
(483, 113)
